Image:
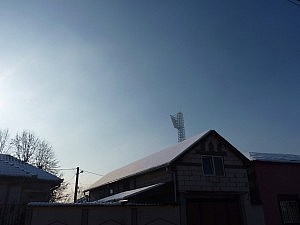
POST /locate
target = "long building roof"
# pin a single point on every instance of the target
(13, 167)
(156, 160)
(274, 157)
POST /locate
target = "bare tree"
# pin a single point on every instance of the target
(61, 193)
(24, 146)
(31, 149)
(4, 136)
(44, 157)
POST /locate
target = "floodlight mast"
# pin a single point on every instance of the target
(178, 123)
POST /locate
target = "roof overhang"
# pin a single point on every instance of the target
(123, 196)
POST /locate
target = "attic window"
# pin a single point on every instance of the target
(213, 165)
(211, 147)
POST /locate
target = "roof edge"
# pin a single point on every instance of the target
(192, 145)
(136, 174)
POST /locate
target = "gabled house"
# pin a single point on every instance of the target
(275, 181)
(21, 183)
(205, 176)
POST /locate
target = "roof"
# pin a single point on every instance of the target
(154, 161)
(274, 157)
(13, 167)
(127, 194)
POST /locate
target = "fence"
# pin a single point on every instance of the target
(102, 215)
(12, 214)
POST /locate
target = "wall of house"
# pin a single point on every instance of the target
(155, 177)
(190, 176)
(15, 193)
(194, 185)
(36, 191)
(253, 214)
(274, 179)
(20, 190)
(102, 215)
(3, 193)
(10, 194)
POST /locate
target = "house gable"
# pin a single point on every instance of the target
(212, 144)
(190, 166)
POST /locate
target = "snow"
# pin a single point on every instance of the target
(274, 157)
(155, 160)
(10, 166)
(126, 194)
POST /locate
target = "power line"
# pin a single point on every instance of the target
(101, 175)
(86, 171)
(78, 171)
(63, 168)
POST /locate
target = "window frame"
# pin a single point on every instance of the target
(213, 165)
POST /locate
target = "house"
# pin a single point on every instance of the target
(21, 183)
(275, 182)
(204, 176)
(203, 180)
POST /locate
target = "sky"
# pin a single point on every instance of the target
(99, 79)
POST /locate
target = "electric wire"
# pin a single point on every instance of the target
(69, 181)
(85, 171)
(63, 168)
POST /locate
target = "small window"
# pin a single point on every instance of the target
(289, 210)
(211, 147)
(219, 167)
(207, 164)
(212, 165)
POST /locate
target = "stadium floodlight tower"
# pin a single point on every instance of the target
(178, 123)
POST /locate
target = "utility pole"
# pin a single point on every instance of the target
(76, 184)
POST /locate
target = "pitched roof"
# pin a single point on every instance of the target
(274, 157)
(13, 167)
(156, 160)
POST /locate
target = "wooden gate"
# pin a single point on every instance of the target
(216, 212)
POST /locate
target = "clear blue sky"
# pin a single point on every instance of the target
(99, 79)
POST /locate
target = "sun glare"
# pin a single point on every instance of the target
(1, 104)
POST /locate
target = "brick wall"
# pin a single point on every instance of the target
(190, 175)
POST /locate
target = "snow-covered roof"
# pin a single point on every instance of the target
(59, 204)
(11, 166)
(126, 194)
(274, 157)
(153, 161)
